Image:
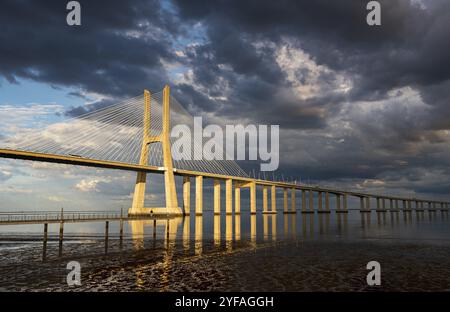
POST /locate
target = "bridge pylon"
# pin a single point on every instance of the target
(137, 207)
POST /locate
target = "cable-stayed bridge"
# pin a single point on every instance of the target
(135, 135)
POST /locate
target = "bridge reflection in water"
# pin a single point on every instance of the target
(227, 234)
(229, 231)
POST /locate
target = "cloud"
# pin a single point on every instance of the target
(90, 185)
(5, 175)
(354, 103)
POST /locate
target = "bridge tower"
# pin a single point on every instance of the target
(137, 207)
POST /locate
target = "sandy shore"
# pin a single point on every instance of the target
(268, 266)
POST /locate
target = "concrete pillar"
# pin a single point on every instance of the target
(429, 205)
(285, 200)
(391, 204)
(383, 203)
(345, 202)
(217, 229)
(327, 201)
(378, 203)
(253, 198)
(274, 198)
(199, 195)
(404, 204)
(396, 204)
(237, 198)
(409, 205)
(338, 202)
(361, 203)
(265, 199)
(368, 203)
(216, 196)
(229, 196)
(319, 201)
(311, 201)
(303, 201)
(169, 178)
(293, 208)
(186, 195)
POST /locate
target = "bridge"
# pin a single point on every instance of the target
(134, 135)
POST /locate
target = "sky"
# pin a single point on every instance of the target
(359, 107)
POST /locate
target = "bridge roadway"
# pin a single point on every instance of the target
(80, 161)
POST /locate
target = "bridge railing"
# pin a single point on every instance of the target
(25, 216)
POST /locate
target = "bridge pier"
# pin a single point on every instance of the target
(265, 199)
(327, 201)
(304, 201)
(311, 201)
(293, 204)
(285, 200)
(319, 201)
(198, 195)
(237, 198)
(345, 203)
(252, 197)
(338, 202)
(216, 196)
(186, 195)
(274, 198)
(229, 196)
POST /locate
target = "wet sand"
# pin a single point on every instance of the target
(288, 265)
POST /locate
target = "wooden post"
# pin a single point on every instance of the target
(106, 236)
(61, 234)
(44, 245)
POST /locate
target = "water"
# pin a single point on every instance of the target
(282, 252)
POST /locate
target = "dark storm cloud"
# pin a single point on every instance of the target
(235, 73)
(102, 55)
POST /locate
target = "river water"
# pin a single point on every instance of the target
(282, 252)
